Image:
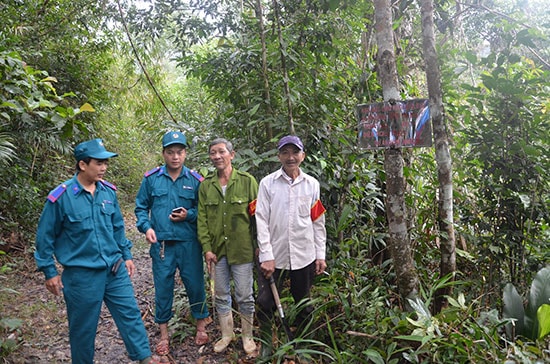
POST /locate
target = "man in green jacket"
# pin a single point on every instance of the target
(226, 230)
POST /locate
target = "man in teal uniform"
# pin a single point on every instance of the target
(166, 211)
(83, 228)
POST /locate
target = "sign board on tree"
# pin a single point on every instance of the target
(395, 124)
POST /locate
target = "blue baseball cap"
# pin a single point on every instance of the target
(290, 139)
(174, 137)
(92, 148)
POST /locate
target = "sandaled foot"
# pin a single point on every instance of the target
(155, 360)
(163, 347)
(201, 338)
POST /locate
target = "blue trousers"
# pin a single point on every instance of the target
(84, 292)
(187, 258)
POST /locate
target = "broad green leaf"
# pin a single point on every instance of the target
(11, 105)
(46, 103)
(538, 295)
(87, 107)
(374, 356)
(49, 79)
(11, 323)
(253, 111)
(513, 308)
(543, 315)
(419, 338)
(471, 57)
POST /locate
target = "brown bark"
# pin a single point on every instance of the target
(399, 241)
(267, 94)
(282, 48)
(442, 155)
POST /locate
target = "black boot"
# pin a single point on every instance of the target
(266, 336)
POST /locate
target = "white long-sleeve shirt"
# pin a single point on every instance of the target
(286, 232)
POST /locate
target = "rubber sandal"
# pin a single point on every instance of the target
(163, 347)
(201, 338)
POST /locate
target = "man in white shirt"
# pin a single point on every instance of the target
(291, 235)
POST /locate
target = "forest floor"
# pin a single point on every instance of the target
(43, 334)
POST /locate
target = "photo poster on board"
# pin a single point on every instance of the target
(394, 124)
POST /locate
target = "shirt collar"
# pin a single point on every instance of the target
(281, 174)
(76, 187)
(184, 171)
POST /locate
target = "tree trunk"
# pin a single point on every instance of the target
(399, 241)
(282, 52)
(267, 94)
(442, 155)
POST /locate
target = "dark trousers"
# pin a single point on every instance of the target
(301, 281)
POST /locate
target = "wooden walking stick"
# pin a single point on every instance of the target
(213, 289)
(277, 299)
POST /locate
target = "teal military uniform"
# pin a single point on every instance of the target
(86, 235)
(157, 196)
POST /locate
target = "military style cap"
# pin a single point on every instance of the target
(92, 148)
(290, 139)
(174, 137)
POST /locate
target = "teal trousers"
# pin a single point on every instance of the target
(84, 291)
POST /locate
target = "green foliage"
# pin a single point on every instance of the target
(543, 317)
(9, 333)
(68, 38)
(359, 322)
(38, 124)
(527, 320)
(501, 124)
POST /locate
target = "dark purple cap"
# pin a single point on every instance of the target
(290, 139)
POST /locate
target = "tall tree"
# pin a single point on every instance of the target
(442, 154)
(399, 240)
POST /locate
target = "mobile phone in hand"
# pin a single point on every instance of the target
(177, 209)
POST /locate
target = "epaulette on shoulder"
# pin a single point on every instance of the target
(108, 184)
(243, 173)
(152, 171)
(197, 175)
(57, 192)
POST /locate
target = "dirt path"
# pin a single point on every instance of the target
(43, 335)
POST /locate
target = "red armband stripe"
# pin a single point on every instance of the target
(317, 210)
(252, 208)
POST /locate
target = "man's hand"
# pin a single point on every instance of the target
(54, 285)
(320, 266)
(130, 267)
(211, 259)
(178, 216)
(268, 267)
(150, 236)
